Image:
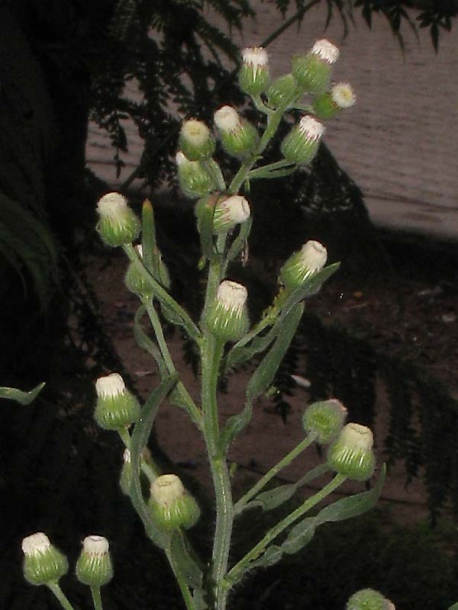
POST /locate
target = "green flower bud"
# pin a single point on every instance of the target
(301, 144)
(196, 141)
(351, 453)
(227, 316)
(238, 137)
(313, 70)
(194, 179)
(171, 505)
(227, 212)
(134, 279)
(94, 567)
(254, 73)
(283, 90)
(118, 225)
(368, 599)
(116, 407)
(325, 419)
(329, 104)
(302, 265)
(43, 563)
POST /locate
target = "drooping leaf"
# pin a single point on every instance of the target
(234, 426)
(184, 562)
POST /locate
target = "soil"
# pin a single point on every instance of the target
(410, 312)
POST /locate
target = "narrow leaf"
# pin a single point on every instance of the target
(353, 506)
(271, 556)
(183, 561)
(299, 536)
(24, 398)
(309, 288)
(273, 498)
(234, 426)
(265, 373)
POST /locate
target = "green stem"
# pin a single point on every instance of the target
(96, 598)
(260, 171)
(259, 548)
(63, 600)
(191, 407)
(292, 455)
(211, 357)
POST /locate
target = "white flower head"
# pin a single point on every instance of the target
(236, 208)
(232, 295)
(227, 119)
(35, 544)
(110, 385)
(255, 56)
(195, 131)
(326, 50)
(167, 489)
(96, 545)
(357, 437)
(311, 128)
(313, 256)
(112, 205)
(342, 95)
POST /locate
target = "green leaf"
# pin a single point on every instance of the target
(354, 505)
(454, 607)
(24, 398)
(234, 426)
(237, 355)
(265, 373)
(273, 498)
(272, 556)
(308, 288)
(299, 536)
(183, 561)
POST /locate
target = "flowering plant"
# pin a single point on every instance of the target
(225, 339)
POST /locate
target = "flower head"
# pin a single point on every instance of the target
(302, 265)
(171, 505)
(116, 407)
(43, 563)
(327, 105)
(94, 567)
(238, 137)
(301, 144)
(194, 179)
(313, 70)
(228, 316)
(196, 140)
(118, 225)
(351, 454)
(324, 419)
(369, 599)
(254, 72)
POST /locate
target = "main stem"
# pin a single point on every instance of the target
(211, 357)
